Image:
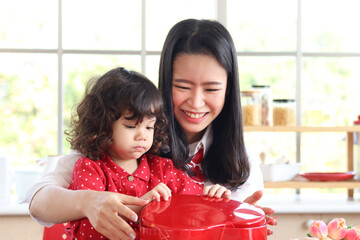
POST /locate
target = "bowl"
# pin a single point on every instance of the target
(279, 172)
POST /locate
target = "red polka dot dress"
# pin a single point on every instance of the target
(106, 175)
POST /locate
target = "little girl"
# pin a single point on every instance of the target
(119, 120)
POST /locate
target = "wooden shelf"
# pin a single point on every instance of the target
(350, 131)
(300, 129)
(312, 184)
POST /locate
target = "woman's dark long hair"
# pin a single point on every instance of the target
(226, 161)
(106, 99)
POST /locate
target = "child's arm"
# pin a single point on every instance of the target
(216, 191)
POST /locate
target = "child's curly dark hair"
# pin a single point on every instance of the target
(106, 100)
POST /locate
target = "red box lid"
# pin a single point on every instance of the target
(187, 212)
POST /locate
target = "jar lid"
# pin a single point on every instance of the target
(249, 92)
(283, 100)
(193, 213)
(261, 86)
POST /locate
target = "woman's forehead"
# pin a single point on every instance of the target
(189, 68)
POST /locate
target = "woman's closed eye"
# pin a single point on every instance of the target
(206, 90)
(181, 87)
(212, 89)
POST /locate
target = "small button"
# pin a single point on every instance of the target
(130, 178)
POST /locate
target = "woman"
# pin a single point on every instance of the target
(199, 82)
(198, 78)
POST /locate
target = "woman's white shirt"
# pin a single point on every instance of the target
(255, 181)
(61, 176)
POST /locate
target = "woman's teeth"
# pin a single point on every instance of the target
(195, 115)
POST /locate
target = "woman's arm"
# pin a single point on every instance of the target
(51, 202)
(105, 210)
(55, 204)
(40, 196)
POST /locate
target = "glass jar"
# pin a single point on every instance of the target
(284, 112)
(251, 108)
(266, 103)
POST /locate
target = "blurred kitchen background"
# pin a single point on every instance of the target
(307, 51)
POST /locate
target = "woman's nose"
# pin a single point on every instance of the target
(196, 99)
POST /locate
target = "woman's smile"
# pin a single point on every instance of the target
(194, 115)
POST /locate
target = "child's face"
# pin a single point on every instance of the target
(131, 140)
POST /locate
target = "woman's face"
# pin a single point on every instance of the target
(198, 89)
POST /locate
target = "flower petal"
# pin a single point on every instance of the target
(337, 228)
(318, 229)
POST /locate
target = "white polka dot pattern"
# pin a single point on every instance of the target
(106, 175)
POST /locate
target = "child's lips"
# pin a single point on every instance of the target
(139, 148)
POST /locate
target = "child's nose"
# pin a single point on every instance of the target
(141, 135)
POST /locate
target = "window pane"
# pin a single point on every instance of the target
(323, 152)
(152, 68)
(331, 25)
(261, 25)
(108, 24)
(28, 103)
(279, 147)
(78, 69)
(171, 12)
(24, 24)
(278, 72)
(330, 91)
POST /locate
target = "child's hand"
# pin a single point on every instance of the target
(161, 190)
(216, 191)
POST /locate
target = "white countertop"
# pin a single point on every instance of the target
(14, 209)
(280, 203)
(318, 204)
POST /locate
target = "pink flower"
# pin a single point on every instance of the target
(318, 229)
(353, 233)
(337, 228)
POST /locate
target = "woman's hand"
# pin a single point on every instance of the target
(216, 191)
(107, 212)
(253, 199)
(161, 190)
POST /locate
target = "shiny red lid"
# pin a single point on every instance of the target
(198, 212)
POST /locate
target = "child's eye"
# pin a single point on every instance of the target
(150, 128)
(130, 126)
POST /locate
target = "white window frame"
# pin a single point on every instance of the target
(143, 53)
